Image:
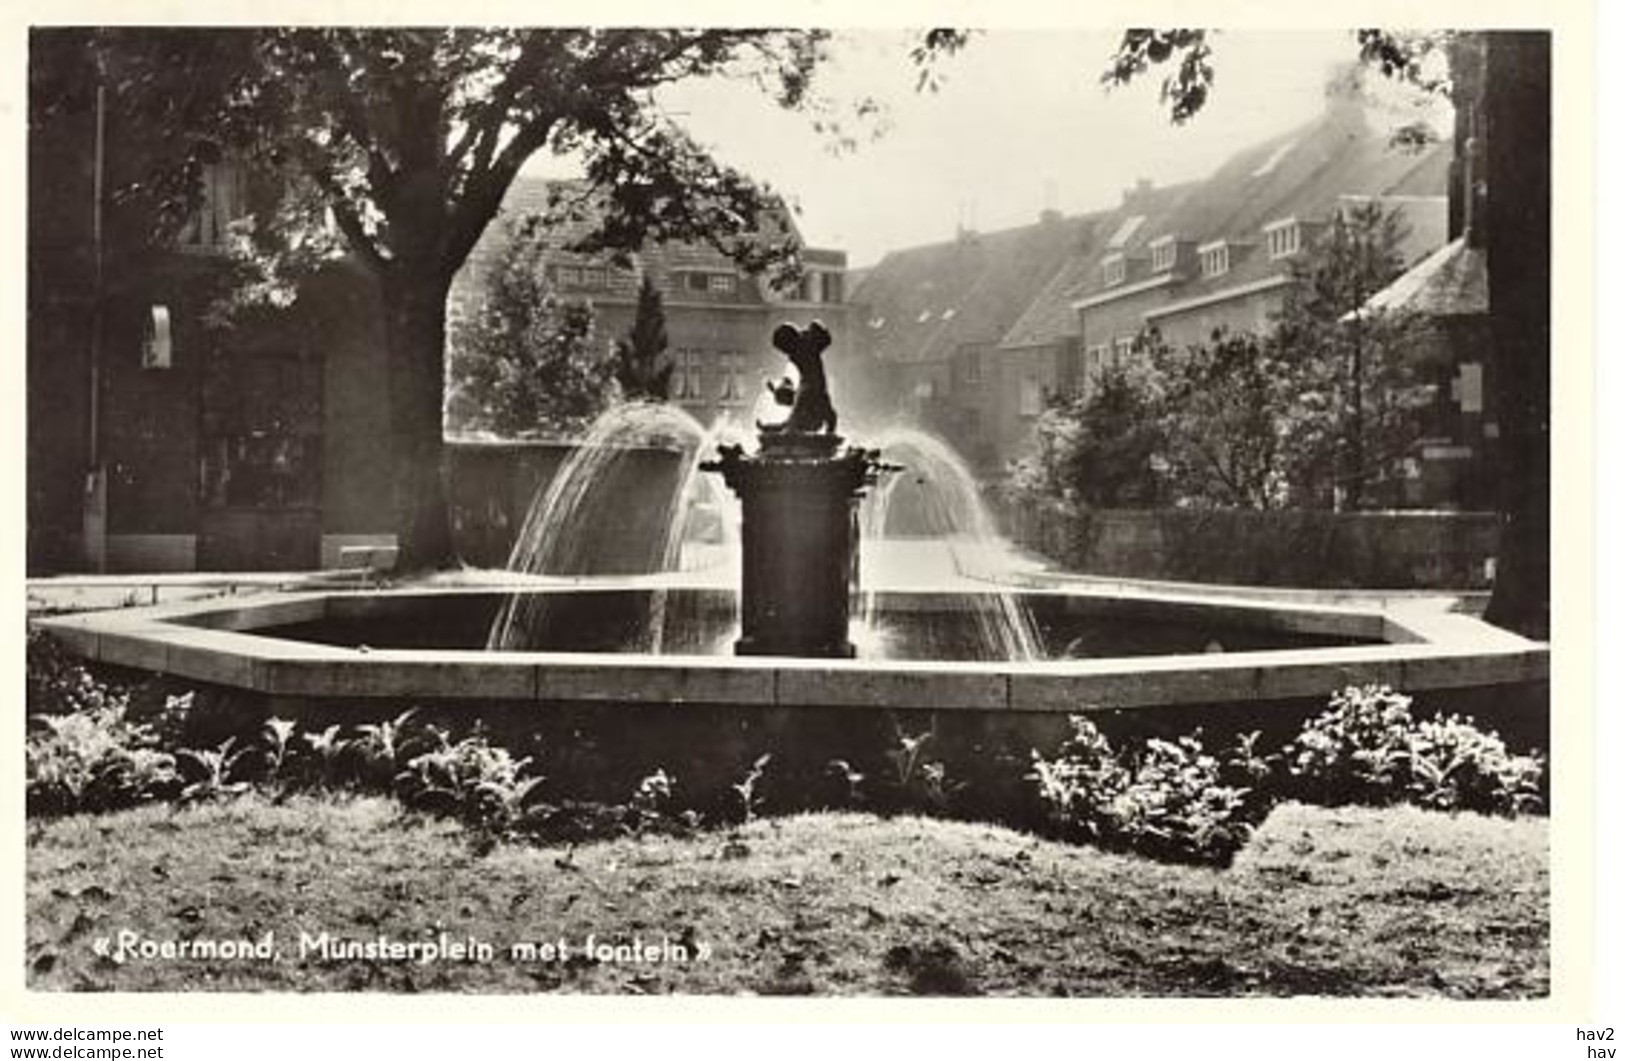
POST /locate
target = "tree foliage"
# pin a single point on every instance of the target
(1101, 449)
(1226, 418)
(408, 139)
(524, 363)
(1315, 412)
(1355, 370)
(1505, 77)
(641, 366)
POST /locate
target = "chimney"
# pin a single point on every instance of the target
(1137, 194)
(1345, 93)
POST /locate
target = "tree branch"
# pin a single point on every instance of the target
(345, 216)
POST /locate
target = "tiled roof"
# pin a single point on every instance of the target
(1304, 175)
(923, 303)
(1451, 282)
(1051, 317)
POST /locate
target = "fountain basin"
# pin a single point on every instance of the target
(291, 646)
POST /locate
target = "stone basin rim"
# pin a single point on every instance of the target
(1425, 649)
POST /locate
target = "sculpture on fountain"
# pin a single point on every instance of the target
(798, 527)
(810, 409)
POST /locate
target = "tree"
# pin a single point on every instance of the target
(409, 138)
(1102, 449)
(1357, 395)
(1503, 80)
(641, 367)
(1228, 412)
(524, 363)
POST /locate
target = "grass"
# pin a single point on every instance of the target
(1394, 902)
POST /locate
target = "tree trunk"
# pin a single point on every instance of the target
(415, 328)
(1517, 113)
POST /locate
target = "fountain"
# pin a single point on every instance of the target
(799, 525)
(563, 648)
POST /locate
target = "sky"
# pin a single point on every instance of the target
(1020, 122)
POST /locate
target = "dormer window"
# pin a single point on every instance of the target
(1283, 238)
(1163, 253)
(1215, 258)
(1113, 270)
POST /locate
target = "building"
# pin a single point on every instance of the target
(719, 319)
(978, 333)
(933, 317)
(1219, 256)
(162, 437)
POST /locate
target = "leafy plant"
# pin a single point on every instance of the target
(1357, 751)
(852, 776)
(650, 801)
(916, 780)
(278, 731)
(746, 788)
(1368, 748)
(1170, 802)
(327, 746)
(94, 759)
(1081, 782)
(1174, 805)
(58, 683)
(478, 781)
(214, 767)
(1457, 766)
(379, 748)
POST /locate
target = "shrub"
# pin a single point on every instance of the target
(1171, 801)
(478, 781)
(1367, 748)
(59, 684)
(94, 759)
(1175, 806)
(1357, 751)
(1457, 766)
(1079, 785)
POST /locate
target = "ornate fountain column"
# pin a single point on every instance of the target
(799, 526)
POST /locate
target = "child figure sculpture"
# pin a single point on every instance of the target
(810, 408)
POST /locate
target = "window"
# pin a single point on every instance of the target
(732, 370)
(973, 368)
(224, 200)
(720, 284)
(1121, 349)
(592, 277)
(832, 287)
(1283, 238)
(1215, 258)
(1163, 252)
(1113, 270)
(569, 276)
(690, 375)
(1094, 362)
(695, 281)
(261, 441)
